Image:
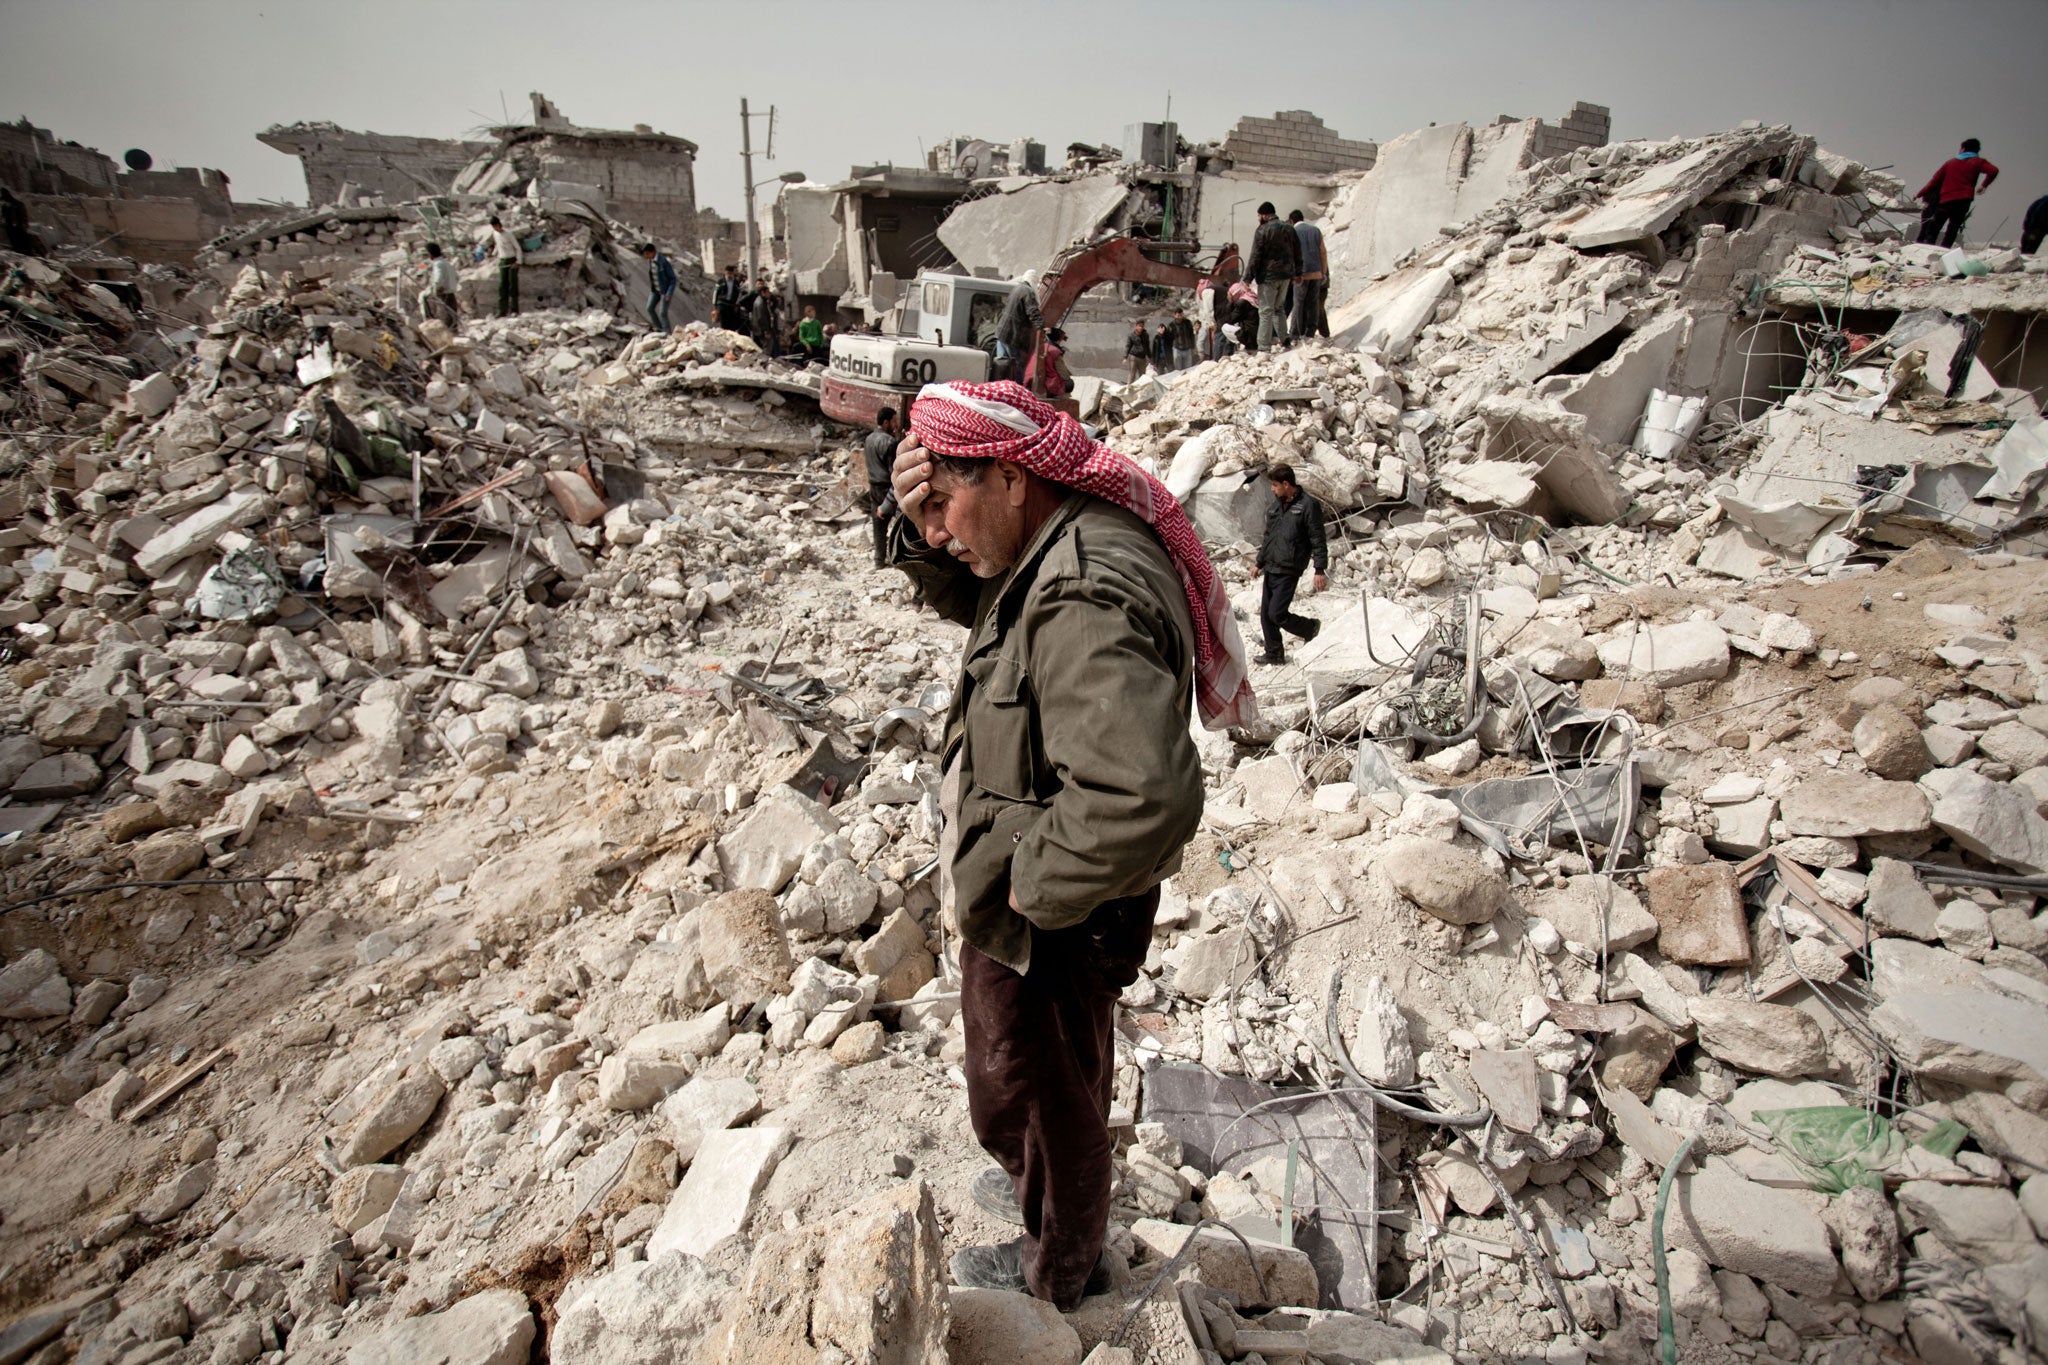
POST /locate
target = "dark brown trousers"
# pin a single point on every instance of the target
(1041, 1060)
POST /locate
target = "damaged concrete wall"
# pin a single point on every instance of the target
(393, 167)
(1014, 231)
(814, 239)
(1422, 181)
(1226, 206)
(1295, 140)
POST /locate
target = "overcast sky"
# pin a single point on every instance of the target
(1895, 82)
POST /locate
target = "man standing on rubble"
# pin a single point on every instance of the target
(1183, 332)
(2034, 227)
(1137, 350)
(661, 285)
(1313, 284)
(879, 453)
(725, 300)
(1071, 781)
(1274, 263)
(507, 249)
(1293, 541)
(761, 316)
(1951, 193)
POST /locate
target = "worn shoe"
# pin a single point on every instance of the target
(992, 1267)
(1272, 660)
(997, 1194)
(1315, 628)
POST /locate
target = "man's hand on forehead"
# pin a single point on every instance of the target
(911, 476)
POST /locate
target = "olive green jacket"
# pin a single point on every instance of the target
(1079, 781)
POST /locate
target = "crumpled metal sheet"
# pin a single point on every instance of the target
(243, 586)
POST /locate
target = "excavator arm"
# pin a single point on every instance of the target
(1078, 269)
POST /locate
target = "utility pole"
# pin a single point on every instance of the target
(747, 160)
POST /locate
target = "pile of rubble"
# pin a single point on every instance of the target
(519, 700)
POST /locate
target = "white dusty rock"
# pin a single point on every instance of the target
(1773, 1040)
(397, 1114)
(868, 1284)
(642, 1313)
(707, 1106)
(1995, 820)
(743, 947)
(1980, 1038)
(1896, 901)
(992, 1327)
(1219, 1257)
(492, 1328)
(1984, 1224)
(1577, 908)
(711, 1204)
(33, 987)
(1450, 883)
(1381, 1048)
(769, 845)
(1740, 1225)
(1668, 656)
(1849, 806)
(1868, 1232)
(176, 1193)
(362, 1195)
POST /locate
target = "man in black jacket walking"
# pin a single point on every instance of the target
(1293, 541)
(879, 452)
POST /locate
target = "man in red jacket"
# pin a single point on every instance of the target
(1949, 194)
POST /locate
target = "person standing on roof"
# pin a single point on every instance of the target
(1293, 542)
(1313, 285)
(2035, 226)
(661, 285)
(510, 256)
(1094, 618)
(1273, 265)
(1017, 329)
(1951, 192)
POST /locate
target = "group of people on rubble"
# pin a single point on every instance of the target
(761, 314)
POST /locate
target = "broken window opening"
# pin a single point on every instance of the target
(1592, 357)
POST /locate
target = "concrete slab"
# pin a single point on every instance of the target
(1024, 229)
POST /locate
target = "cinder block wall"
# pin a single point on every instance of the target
(1587, 125)
(1296, 140)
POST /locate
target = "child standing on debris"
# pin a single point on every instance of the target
(506, 248)
(661, 285)
(1951, 192)
(438, 299)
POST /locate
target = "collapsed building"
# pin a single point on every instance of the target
(472, 812)
(77, 197)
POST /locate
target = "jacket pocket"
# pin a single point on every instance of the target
(999, 729)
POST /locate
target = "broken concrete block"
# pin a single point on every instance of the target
(1583, 905)
(397, 1114)
(743, 947)
(627, 1083)
(1891, 744)
(1220, 1261)
(64, 774)
(769, 845)
(175, 1194)
(201, 529)
(867, 1284)
(1743, 829)
(711, 1204)
(1849, 806)
(1450, 883)
(1700, 920)
(1210, 962)
(1754, 1229)
(991, 1325)
(495, 1327)
(1995, 820)
(1669, 656)
(89, 722)
(152, 396)
(1381, 1048)
(361, 1196)
(1772, 1040)
(1508, 1081)
(1984, 1224)
(1978, 1038)
(643, 1312)
(1635, 1057)
(1897, 903)
(33, 987)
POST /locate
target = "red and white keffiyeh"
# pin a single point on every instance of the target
(1004, 421)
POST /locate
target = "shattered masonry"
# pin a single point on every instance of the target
(550, 791)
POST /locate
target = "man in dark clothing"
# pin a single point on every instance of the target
(1313, 287)
(1017, 330)
(1162, 349)
(1244, 314)
(1183, 332)
(725, 300)
(1950, 193)
(1273, 265)
(661, 285)
(1137, 350)
(879, 450)
(761, 316)
(1293, 541)
(2035, 226)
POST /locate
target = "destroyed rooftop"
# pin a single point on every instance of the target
(471, 808)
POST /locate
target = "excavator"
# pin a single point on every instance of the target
(868, 373)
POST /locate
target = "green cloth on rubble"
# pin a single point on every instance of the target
(1841, 1146)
